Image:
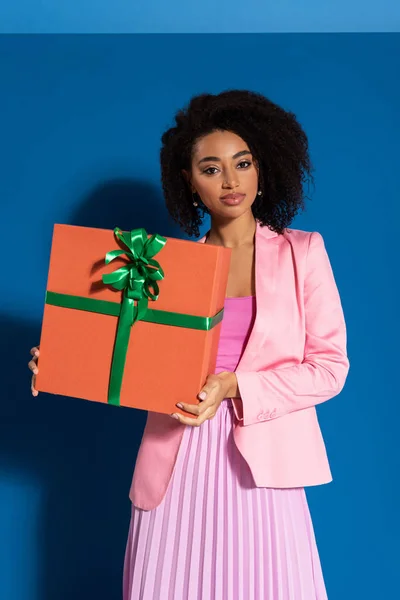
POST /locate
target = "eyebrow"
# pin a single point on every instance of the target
(216, 159)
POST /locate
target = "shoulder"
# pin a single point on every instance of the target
(302, 236)
(304, 244)
(301, 241)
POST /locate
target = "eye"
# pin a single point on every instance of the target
(244, 164)
(210, 170)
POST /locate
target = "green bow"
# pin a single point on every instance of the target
(138, 280)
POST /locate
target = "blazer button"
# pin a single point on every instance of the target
(273, 414)
(260, 416)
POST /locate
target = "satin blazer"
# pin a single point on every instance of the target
(295, 359)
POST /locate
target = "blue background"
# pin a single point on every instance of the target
(81, 118)
(208, 16)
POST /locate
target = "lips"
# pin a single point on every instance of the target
(232, 199)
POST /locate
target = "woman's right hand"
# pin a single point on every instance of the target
(33, 367)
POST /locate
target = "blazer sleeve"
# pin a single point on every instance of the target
(321, 375)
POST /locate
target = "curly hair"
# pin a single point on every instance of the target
(275, 139)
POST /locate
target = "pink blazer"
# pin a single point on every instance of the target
(295, 358)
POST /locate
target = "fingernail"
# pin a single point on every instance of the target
(202, 395)
(36, 353)
(179, 405)
(174, 416)
(35, 371)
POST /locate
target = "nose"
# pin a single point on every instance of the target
(230, 180)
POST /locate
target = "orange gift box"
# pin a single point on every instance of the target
(146, 340)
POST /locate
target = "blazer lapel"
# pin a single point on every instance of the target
(266, 264)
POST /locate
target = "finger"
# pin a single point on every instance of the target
(188, 420)
(198, 409)
(35, 351)
(194, 409)
(210, 386)
(33, 389)
(33, 367)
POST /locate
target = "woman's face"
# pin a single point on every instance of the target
(224, 174)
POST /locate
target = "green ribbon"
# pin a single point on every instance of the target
(138, 281)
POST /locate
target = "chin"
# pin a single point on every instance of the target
(236, 211)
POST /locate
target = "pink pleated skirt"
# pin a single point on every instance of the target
(216, 536)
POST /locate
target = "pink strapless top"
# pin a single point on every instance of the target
(236, 326)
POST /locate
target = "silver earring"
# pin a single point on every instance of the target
(259, 193)
(194, 201)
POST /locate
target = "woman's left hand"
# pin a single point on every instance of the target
(216, 388)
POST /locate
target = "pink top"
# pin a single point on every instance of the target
(236, 326)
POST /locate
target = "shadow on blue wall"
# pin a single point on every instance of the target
(126, 203)
(81, 454)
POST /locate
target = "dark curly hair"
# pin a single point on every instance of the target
(275, 139)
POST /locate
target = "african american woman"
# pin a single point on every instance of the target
(219, 510)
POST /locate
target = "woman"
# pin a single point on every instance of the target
(218, 503)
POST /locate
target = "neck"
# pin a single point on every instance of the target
(233, 233)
